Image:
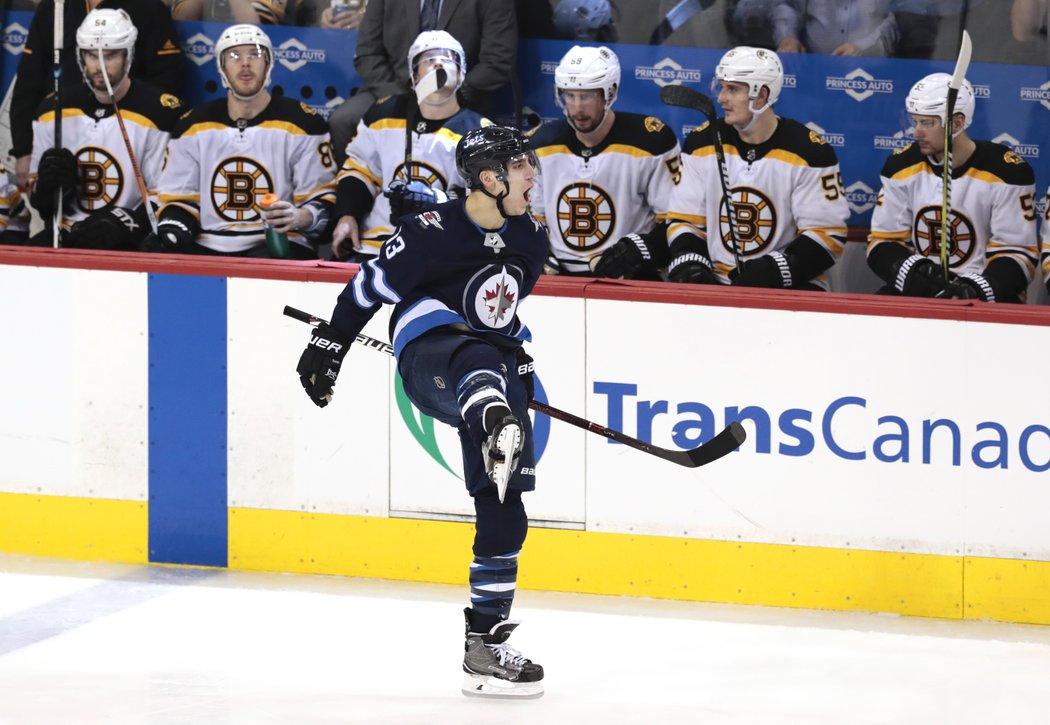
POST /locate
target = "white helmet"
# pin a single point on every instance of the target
(243, 35)
(929, 97)
(106, 29)
(581, 19)
(756, 67)
(454, 60)
(587, 68)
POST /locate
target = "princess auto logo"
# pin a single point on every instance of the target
(1029, 150)
(1039, 95)
(667, 73)
(832, 138)
(858, 84)
(15, 38)
(548, 67)
(897, 141)
(860, 197)
(199, 48)
(293, 55)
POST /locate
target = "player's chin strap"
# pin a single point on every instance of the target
(499, 199)
(755, 113)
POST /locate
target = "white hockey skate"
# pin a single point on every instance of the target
(502, 447)
(495, 669)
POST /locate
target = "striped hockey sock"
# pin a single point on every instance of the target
(477, 392)
(492, 583)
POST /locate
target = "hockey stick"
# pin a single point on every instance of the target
(721, 445)
(676, 17)
(962, 63)
(59, 43)
(684, 97)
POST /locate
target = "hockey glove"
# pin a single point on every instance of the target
(629, 257)
(969, 287)
(57, 167)
(769, 270)
(919, 276)
(115, 228)
(526, 369)
(320, 362)
(692, 268)
(410, 198)
(172, 237)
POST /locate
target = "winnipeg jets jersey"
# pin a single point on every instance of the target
(91, 131)
(376, 156)
(786, 187)
(218, 169)
(439, 268)
(591, 197)
(993, 212)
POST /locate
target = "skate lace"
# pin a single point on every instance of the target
(508, 655)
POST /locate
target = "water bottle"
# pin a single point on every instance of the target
(276, 242)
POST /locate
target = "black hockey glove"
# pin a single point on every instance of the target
(57, 167)
(969, 287)
(692, 268)
(919, 276)
(630, 257)
(769, 270)
(526, 369)
(172, 237)
(115, 228)
(320, 362)
(410, 198)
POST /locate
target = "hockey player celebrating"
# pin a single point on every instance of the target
(607, 176)
(238, 150)
(992, 249)
(404, 154)
(787, 223)
(456, 274)
(102, 202)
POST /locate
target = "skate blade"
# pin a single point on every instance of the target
(508, 441)
(493, 687)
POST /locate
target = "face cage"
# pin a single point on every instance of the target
(503, 169)
(446, 55)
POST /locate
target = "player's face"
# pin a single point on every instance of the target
(929, 134)
(733, 98)
(114, 61)
(437, 58)
(521, 172)
(245, 68)
(585, 108)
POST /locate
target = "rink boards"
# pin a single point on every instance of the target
(897, 459)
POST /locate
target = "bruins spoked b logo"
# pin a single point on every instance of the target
(101, 179)
(238, 181)
(756, 221)
(426, 173)
(586, 216)
(962, 239)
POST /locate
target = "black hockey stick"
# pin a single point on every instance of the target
(962, 63)
(689, 98)
(676, 17)
(58, 43)
(721, 445)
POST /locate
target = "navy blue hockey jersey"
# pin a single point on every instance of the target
(440, 268)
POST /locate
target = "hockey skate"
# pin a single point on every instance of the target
(502, 447)
(495, 669)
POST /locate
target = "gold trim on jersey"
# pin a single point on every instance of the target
(626, 150)
(834, 238)
(191, 208)
(909, 171)
(384, 124)
(138, 118)
(202, 127)
(982, 175)
(677, 216)
(287, 126)
(49, 116)
(352, 168)
(552, 150)
(321, 192)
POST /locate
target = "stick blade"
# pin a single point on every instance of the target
(721, 445)
(685, 97)
(962, 63)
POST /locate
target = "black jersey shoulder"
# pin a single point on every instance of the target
(1001, 162)
(903, 159)
(797, 139)
(701, 137)
(159, 107)
(211, 112)
(552, 133)
(389, 108)
(645, 133)
(296, 113)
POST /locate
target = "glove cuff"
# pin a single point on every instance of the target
(783, 268)
(688, 258)
(982, 284)
(905, 268)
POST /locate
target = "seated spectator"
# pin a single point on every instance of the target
(1028, 18)
(786, 225)
(389, 29)
(991, 249)
(586, 20)
(255, 12)
(748, 23)
(347, 15)
(607, 176)
(91, 175)
(404, 154)
(239, 149)
(834, 27)
(158, 61)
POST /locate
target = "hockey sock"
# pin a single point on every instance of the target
(477, 392)
(492, 583)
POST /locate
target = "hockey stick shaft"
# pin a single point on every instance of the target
(962, 63)
(724, 443)
(684, 97)
(58, 41)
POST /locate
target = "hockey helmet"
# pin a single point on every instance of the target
(929, 97)
(492, 148)
(447, 48)
(756, 67)
(106, 29)
(243, 34)
(582, 19)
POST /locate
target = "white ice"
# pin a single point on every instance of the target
(98, 643)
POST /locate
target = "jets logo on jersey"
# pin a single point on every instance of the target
(235, 185)
(101, 179)
(756, 220)
(491, 297)
(961, 235)
(586, 216)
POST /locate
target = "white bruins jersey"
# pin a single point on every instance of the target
(376, 156)
(787, 187)
(1045, 243)
(218, 169)
(591, 197)
(993, 212)
(91, 131)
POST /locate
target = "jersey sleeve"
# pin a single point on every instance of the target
(364, 159)
(1045, 240)
(820, 207)
(1013, 228)
(180, 179)
(688, 200)
(313, 170)
(666, 174)
(892, 217)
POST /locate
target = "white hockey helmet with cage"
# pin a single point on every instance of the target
(105, 29)
(450, 51)
(757, 67)
(929, 97)
(586, 68)
(243, 34)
